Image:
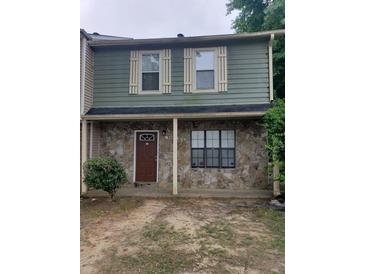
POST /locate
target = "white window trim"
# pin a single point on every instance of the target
(150, 92)
(215, 90)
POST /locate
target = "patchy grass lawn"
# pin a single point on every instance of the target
(180, 236)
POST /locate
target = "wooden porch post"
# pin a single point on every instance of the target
(276, 190)
(83, 153)
(174, 158)
(276, 174)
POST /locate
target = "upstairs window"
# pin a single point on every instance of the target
(205, 76)
(205, 69)
(213, 149)
(150, 71)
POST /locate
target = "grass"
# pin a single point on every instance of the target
(158, 254)
(157, 231)
(94, 208)
(150, 260)
(216, 238)
(220, 230)
(247, 240)
(275, 222)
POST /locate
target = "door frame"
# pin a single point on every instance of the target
(135, 150)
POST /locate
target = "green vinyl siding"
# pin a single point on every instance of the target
(247, 71)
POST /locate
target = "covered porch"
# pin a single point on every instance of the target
(109, 132)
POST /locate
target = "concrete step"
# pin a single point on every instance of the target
(154, 192)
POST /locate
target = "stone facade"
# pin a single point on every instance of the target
(117, 140)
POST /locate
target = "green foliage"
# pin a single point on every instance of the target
(251, 16)
(256, 15)
(278, 57)
(104, 173)
(274, 122)
(274, 15)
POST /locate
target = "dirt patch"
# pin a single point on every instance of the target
(102, 229)
(180, 236)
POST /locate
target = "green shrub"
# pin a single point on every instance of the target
(274, 122)
(104, 173)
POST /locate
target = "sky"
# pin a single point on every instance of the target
(155, 18)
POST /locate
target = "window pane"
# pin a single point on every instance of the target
(209, 162)
(227, 157)
(197, 138)
(150, 62)
(205, 79)
(204, 60)
(198, 134)
(212, 138)
(224, 162)
(212, 157)
(198, 153)
(150, 81)
(227, 138)
(197, 159)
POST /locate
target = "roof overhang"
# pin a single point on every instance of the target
(168, 113)
(188, 40)
(84, 33)
(185, 116)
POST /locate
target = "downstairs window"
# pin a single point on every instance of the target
(213, 149)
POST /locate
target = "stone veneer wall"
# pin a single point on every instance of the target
(117, 139)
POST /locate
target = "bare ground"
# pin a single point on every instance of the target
(180, 236)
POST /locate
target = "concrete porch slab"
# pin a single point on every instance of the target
(153, 192)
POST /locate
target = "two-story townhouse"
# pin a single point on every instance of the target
(181, 112)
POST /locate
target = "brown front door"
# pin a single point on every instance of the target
(146, 156)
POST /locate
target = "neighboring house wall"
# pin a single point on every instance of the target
(117, 140)
(81, 38)
(248, 79)
(89, 75)
(96, 139)
(86, 74)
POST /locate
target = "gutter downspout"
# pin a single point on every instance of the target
(83, 70)
(271, 81)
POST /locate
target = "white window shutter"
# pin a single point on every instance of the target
(188, 70)
(166, 71)
(222, 69)
(134, 71)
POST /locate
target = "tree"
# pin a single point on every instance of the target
(104, 173)
(261, 15)
(251, 17)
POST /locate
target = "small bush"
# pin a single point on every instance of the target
(104, 173)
